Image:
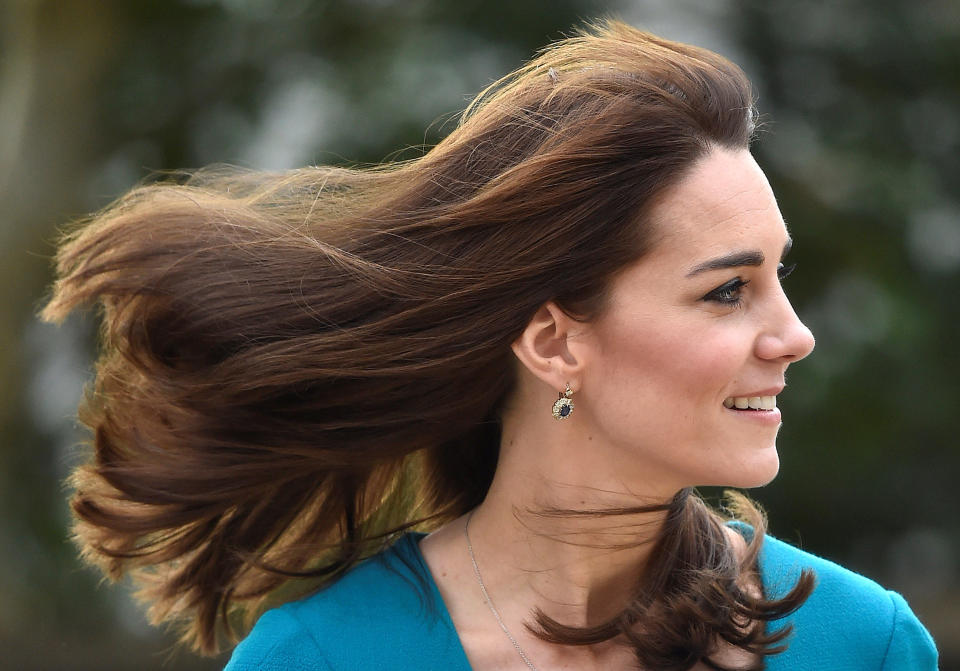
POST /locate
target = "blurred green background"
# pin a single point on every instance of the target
(862, 145)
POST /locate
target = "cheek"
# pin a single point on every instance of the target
(717, 359)
(652, 365)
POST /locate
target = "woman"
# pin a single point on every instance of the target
(534, 341)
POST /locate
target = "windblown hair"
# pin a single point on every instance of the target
(298, 367)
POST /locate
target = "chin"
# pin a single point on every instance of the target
(760, 473)
(756, 482)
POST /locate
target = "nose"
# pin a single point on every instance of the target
(785, 337)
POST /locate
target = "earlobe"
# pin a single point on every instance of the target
(547, 349)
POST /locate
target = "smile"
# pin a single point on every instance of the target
(751, 402)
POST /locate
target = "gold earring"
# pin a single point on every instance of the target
(564, 405)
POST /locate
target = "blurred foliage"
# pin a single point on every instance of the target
(861, 102)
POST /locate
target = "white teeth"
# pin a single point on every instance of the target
(751, 402)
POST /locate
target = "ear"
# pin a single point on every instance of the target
(551, 349)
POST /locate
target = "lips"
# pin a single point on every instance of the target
(750, 402)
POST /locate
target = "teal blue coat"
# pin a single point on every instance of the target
(374, 618)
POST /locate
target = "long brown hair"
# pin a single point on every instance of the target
(297, 367)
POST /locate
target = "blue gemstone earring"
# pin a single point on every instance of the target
(564, 405)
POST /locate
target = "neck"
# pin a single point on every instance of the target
(579, 569)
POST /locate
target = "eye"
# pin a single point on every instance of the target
(783, 272)
(728, 293)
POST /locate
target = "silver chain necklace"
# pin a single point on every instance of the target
(486, 597)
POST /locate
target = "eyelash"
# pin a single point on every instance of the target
(729, 293)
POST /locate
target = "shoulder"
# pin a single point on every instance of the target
(278, 642)
(849, 621)
(381, 614)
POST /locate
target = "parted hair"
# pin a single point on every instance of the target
(297, 367)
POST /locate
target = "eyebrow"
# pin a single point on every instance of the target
(736, 260)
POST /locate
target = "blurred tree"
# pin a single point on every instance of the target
(862, 151)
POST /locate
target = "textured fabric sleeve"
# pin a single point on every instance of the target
(278, 642)
(911, 647)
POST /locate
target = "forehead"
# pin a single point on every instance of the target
(723, 202)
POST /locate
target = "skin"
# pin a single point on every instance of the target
(649, 376)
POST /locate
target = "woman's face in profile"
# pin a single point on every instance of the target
(689, 357)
